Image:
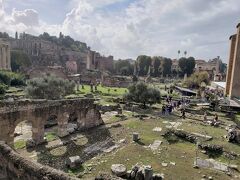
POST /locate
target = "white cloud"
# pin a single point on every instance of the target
(29, 17)
(152, 27)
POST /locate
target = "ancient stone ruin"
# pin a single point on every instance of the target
(38, 111)
(13, 166)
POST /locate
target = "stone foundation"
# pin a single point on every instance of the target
(15, 167)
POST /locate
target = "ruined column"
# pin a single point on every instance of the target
(8, 58)
(4, 57)
(81, 119)
(1, 56)
(62, 124)
(230, 63)
(38, 130)
(235, 81)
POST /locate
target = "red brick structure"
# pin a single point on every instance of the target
(233, 78)
(99, 62)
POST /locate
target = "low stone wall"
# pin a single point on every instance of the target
(15, 167)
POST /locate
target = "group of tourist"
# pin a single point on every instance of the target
(178, 104)
(212, 122)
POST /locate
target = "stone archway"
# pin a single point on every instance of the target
(22, 133)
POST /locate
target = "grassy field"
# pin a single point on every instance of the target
(182, 153)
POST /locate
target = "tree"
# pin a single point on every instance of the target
(156, 62)
(166, 66)
(187, 65)
(123, 67)
(49, 87)
(185, 53)
(141, 93)
(197, 80)
(19, 60)
(11, 79)
(223, 67)
(143, 64)
(4, 35)
(179, 53)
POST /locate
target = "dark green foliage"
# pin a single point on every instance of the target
(49, 87)
(134, 78)
(187, 65)
(156, 62)
(123, 67)
(166, 66)
(143, 62)
(19, 60)
(65, 41)
(196, 80)
(141, 93)
(223, 67)
(4, 35)
(11, 78)
(3, 88)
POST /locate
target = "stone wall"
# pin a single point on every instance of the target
(96, 61)
(38, 111)
(15, 167)
(233, 80)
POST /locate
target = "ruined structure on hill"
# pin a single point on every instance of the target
(49, 52)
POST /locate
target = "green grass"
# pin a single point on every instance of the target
(51, 136)
(133, 153)
(20, 144)
(114, 91)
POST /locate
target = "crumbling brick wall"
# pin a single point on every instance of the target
(15, 167)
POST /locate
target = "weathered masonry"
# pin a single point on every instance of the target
(38, 111)
(15, 167)
(233, 78)
(5, 59)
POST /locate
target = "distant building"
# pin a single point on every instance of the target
(72, 67)
(5, 57)
(48, 53)
(99, 62)
(175, 65)
(211, 66)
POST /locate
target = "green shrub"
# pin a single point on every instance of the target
(197, 79)
(3, 88)
(49, 87)
(142, 93)
(12, 79)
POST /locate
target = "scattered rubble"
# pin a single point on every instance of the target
(74, 162)
(157, 129)
(155, 145)
(136, 173)
(119, 170)
(211, 163)
(135, 137)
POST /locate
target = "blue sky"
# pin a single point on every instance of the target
(128, 28)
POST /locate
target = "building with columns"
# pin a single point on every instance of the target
(233, 78)
(5, 57)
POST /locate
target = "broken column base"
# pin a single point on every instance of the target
(30, 143)
(62, 133)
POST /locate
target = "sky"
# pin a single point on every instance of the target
(128, 28)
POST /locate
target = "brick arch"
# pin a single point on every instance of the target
(37, 112)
